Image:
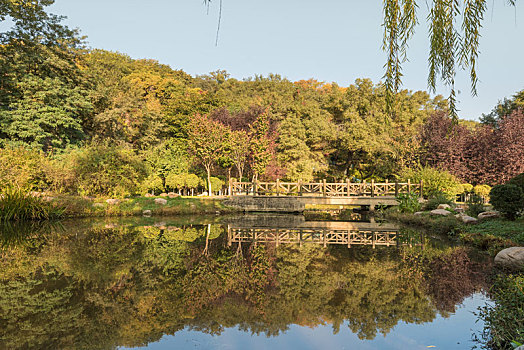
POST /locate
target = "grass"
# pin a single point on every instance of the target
(513, 230)
(491, 235)
(18, 205)
(81, 207)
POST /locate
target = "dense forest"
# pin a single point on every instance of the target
(94, 122)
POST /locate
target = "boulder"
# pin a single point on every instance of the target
(442, 212)
(444, 206)
(163, 194)
(112, 201)
(149, 195)
(468, 219)
(419, 213)
(98, 205)
(512, 258)
(147, 212)
(161, 201)
(459, 210)
(111, 226)
(489, 214)
(173, 195)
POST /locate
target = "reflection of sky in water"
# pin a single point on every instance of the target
(453, 332)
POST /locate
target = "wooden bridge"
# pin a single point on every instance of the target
(325, 189)
(323, 233)
(293, 196)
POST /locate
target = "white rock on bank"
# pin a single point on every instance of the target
(112, 201)
(444, 206)
(161, 201)
(512, 258)
(147, 212)
(489, 215)
(441, 212)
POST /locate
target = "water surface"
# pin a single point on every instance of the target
(240, 282)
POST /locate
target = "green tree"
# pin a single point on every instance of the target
(206, 142)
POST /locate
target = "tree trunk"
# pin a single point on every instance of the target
(209, 189)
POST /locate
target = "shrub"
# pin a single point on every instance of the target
(475, 205)
(21, 167)
(108, 170)
(518, 181)
(508, 199)
(503, 321)
(408, 202)
(435, 181)
(436, 199)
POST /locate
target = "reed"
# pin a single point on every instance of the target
(18, 205)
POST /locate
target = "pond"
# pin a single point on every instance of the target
(235, 282)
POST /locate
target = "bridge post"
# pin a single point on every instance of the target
(372, 188)
(409, 185)
(230, 186)
(299, 187)
(255, 190)
(278, 189)
(324, 187)
(421, 188)
(348, 189)
(396, 188)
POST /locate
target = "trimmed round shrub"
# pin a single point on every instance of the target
(435, 181)
(482, 190)
(508, 199)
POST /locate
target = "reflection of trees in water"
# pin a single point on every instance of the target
(129, 286)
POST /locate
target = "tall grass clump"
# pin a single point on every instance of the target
(18, 205)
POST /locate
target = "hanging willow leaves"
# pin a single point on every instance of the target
(454, 34)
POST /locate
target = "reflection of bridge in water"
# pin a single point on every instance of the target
(323, 233)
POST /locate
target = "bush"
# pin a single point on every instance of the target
(435, 181)
(503, 320)
(183, 181)
(475, 205)
(408, 202)
(508, 199)
(108, 170)
(22, 167)
(436, 199)
(518, 181)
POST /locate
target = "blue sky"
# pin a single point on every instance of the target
(329, 40)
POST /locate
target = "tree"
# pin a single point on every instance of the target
(206, 142)
(239, 142)
(259, 146)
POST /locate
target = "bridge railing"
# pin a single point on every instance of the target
(325, 189)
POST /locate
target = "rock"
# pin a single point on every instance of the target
(161, 201)
(98, 205)
(147, 212)
(442, 212)
(468, 219)
(419, 213)
(111, 226)
(149, 195)
(459, 210)
(489, 214)
(163, 194)
(173, 195)
(512, 258)
(112, 201)
(520, 347)
(444, 206)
